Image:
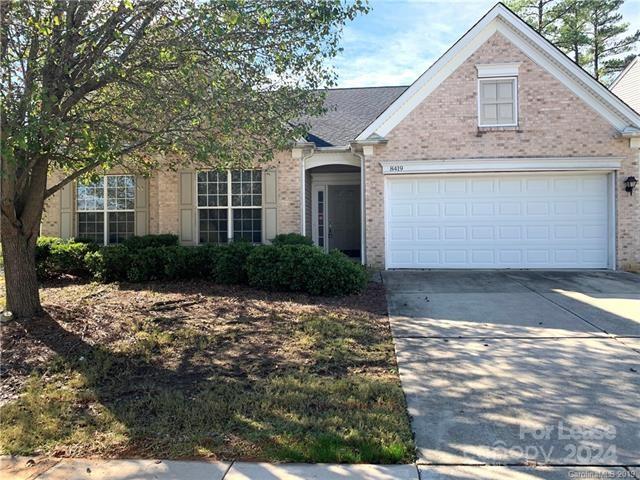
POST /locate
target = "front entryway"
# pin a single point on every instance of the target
(344, 219)
(336, 211)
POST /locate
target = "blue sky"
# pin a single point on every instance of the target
(399, 39)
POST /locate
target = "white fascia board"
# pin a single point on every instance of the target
(529, 164)
(490, 70)
(500, 19)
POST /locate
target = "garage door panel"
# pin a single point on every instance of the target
(504, 221)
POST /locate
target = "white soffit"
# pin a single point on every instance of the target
(501, 19)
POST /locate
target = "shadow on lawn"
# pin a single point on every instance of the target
(195, 410)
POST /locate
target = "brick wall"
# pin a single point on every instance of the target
(553, 122)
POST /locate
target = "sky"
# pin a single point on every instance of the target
(399, 39)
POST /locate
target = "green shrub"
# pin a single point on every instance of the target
(291, 239)
(229, 263)
(43, 252)
(146, 241)
(110, 263)
(55, 256)
(304, 268)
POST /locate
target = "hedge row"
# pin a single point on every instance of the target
(289, 264)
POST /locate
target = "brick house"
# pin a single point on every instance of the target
(503, 154)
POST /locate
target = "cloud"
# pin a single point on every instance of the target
(398, 40)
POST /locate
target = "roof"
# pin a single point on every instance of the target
(535, 46)
(624, 72)
(348, 112)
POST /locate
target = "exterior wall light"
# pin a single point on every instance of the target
(629, 184)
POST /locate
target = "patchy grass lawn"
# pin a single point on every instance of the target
(185, 370)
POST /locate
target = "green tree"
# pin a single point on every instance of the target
(609, 37)
(541, 15)
(572, 35)
(89, 85)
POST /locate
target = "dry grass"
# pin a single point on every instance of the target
(197, 370)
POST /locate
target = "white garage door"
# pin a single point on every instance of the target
(497, 221)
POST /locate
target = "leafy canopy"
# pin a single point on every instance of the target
(93, 84)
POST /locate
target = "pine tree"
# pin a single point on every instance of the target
(608, 38)
(572, 35)
(541, 15)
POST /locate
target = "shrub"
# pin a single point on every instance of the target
(55, 256)
(229, 263)
(291, 239)
(109, 264)
(304, 268)
(146, 241)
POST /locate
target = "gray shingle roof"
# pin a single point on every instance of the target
(349, 112)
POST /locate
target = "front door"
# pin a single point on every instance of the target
(344, 218)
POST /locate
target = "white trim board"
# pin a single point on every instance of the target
(470, 165)
(501, 19)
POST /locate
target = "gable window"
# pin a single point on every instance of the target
(498, 95)
(106, 209)
(497, 102)
(229, 206)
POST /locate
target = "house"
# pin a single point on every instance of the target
(627, 85)
(503, 154)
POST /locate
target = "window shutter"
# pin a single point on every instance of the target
(66, 210)
(270, 197)
(187, 209)
(142, 206)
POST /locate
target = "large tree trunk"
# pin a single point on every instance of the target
(19, 252)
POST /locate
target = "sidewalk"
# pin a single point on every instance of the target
(26, 468)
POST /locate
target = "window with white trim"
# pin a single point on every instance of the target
(497, 102)
(229, 206)
(106, 209)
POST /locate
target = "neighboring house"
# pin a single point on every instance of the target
(503, 154)
(627, 85)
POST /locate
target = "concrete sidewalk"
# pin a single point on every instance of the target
(40, 468)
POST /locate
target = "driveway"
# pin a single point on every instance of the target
(519, 367)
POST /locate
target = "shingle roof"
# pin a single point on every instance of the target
(348, 112)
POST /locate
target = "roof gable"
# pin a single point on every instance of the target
(501, 19)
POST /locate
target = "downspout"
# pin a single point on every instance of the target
(363, 223)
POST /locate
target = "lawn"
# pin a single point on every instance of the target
(188, 370)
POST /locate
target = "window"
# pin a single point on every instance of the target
(497, 102)
(229, 206)
(106, 209)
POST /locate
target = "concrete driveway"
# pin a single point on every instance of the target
(519, 367)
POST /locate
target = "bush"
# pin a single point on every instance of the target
(304, 268)
(229, 265)
(55, 256)
(146, 241)
(109, 264)
(291, 239)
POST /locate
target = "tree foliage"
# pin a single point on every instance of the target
(89, 85)
(592, 32)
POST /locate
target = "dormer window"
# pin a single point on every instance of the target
(498, 95)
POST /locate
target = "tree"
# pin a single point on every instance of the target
(88, 85)
(572, 35)
(608, 38)
(541, 15)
